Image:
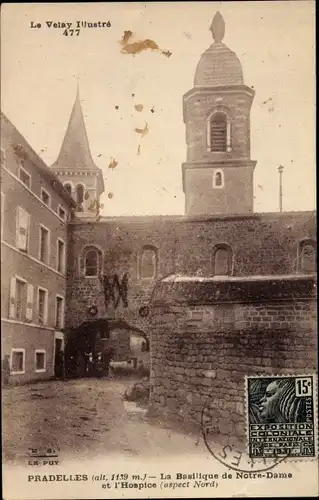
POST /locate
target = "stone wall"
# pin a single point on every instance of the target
(262, 244)
(202, 353)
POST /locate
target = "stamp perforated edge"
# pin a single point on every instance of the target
(314, 377)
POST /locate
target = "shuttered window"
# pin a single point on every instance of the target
(44, 244)
(23, 226)
(42, 306)
(218, 132)
(59, 312)
(21, 300)
(60, 256)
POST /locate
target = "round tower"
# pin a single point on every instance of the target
(218, 173)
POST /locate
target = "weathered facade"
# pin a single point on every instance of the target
(119, 266)
(35, 210)
(207, 335)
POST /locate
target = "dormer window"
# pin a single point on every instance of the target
(219, 132)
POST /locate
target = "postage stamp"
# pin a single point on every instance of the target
(280, 414)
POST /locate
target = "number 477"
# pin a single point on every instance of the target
(71, 32)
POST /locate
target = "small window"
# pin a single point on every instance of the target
(25, 177)
(61, 213)
(91, 263)
(44, 244)
(45, 197)
(307, 256)
(21, 299)
(148, 263)
(42, 306)
(68, 187)
(22, 230)
(17, 364)
(3, 157)
(40, 361)
(218, 179)
(59, 312)
(61, 256)
(222, 260)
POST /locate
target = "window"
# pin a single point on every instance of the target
(61, 213)
(59, 312)
(218, 179)
(307, 256)
(42, 306)
(25, 177)
(40, 361)
(148, 263)
(60, 256)
(219, 130)
(17, 362)
(3, 157)
(222, 260)
(91, 263)
(68, 187)
(22, 232)
(21, 299)
(44, 244)
(79, 197)
(45, 197)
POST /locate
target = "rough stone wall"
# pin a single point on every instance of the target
(263, 244)
(201, 354)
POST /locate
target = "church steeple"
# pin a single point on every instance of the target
(75, 166)
(75, 148)
(218, 173)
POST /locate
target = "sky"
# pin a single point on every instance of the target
(274, 41)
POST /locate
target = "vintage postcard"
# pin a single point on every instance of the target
(158, 250)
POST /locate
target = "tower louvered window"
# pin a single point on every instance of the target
(218, 132)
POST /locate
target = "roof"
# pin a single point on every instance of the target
(188, 290)
(75, 151)
(218, 65)
(37, 162)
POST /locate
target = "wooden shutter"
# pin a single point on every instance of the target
(22, 229)
(12, 299)
(29, 306)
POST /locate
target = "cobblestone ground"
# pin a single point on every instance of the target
(85, 417)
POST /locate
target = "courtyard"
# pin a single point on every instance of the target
(86, 417)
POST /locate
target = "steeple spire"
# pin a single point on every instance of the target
(218, 27)
(75, 150)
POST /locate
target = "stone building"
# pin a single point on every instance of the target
(205, 273)
(35, 210)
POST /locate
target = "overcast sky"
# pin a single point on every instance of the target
(273, 40)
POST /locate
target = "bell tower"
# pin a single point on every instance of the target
(218, 173)
(75, 166)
